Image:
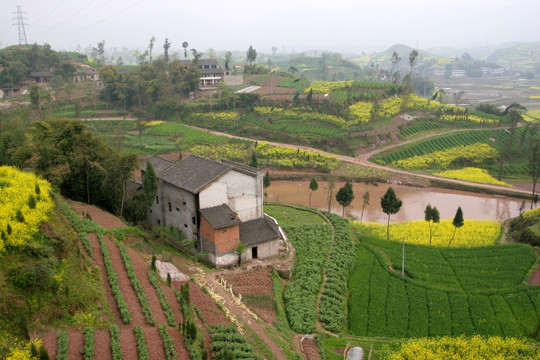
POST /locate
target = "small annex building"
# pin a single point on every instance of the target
(216, 203)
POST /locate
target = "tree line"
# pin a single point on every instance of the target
(81, 165)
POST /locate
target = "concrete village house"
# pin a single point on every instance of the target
(216, 203)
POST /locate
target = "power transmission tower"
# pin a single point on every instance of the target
(20, 24)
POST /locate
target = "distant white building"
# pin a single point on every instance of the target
(439, 72)
(458, 73)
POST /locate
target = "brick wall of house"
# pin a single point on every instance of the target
(225, 239)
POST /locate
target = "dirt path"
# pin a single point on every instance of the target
(102, 339)
(128, 344)
(75, 344)
(244, 317)
(363, 160)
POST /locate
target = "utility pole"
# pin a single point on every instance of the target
(20, 25)
(403, 258)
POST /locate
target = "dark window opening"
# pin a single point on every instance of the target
(159, 222)
(193, 219)
(254, 252)
(177, 209)
(185, 225)
(170, 207)
(157, 199)
(150, 211)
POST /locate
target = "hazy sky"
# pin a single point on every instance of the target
(288, 24)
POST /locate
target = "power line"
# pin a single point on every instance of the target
(20, 25)
(71, 16)
(109, 17)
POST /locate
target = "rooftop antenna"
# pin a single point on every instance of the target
(20, 24)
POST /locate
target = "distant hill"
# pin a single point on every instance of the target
(518, 57)
(382, 59)
(477, 52)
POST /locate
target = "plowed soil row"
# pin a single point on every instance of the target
(254, 282)
(127, 337)
(128, 344)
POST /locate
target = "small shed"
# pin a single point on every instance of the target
(355, 353)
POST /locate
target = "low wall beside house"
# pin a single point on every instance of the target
(233, 80)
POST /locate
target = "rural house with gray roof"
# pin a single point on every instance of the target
(216, 203)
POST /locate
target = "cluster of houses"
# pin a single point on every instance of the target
(459, 73)
(218, 205)
(211, 75)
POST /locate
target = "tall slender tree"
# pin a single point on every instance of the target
(513, 114)
(534, 165)
(395, 59)
(185, 46)
(266, 180)
(228, 58)
(313, 186)
(431, 215)
(365, 201)
(457, 222)
(390, 205)
(345, 196)
(251, 55)
(166, 47)
(151, 47)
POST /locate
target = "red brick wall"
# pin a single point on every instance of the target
(225, 239)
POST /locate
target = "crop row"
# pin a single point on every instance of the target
(136, 284)
(87, 244)
(476, 153)
(448, 141)
(294, 126)
(493, 269)
(420, 127)
(228, 343)
(162, 298)
(305, 114)
(321, 87)
(312, 244)
(141, 343)
(89, 347)
(81, 225)
(188, 135)
(113, 281)
(338, 268)
(168, 344)
(149, 143)
(496, 138)
(384, 304)
(116, 349)
(63, 346)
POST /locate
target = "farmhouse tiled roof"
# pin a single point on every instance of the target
(193, 173)
(258, 231)
(220, 216)
(202, 62)
(158, 164)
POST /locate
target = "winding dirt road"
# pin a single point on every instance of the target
(363, 159)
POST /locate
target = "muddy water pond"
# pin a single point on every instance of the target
(474, 205)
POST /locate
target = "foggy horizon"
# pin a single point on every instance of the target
(341, 26)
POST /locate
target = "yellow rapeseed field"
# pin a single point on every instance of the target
(467, 348)
(472, 233)
(26, 204)
(472, 174)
